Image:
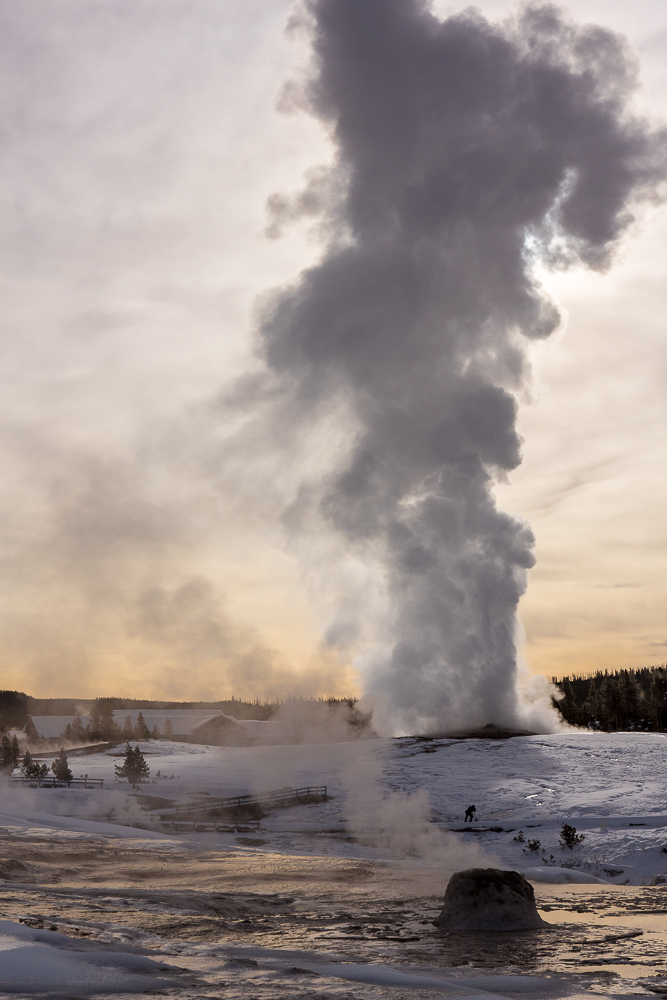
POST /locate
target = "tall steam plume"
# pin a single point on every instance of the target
(465, 151)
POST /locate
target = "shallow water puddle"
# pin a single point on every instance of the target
(656, 922)
(619, 932)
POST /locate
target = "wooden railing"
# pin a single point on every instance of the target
(282, 798)
(242, 809)
(211, 825)
(50, 781)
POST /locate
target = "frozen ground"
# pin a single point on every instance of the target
(394, 796)
(344, 891)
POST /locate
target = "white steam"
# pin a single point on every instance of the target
(401, 824)
(464, 151)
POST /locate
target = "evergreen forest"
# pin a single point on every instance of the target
(615, 700)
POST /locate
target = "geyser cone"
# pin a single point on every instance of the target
(489, 899)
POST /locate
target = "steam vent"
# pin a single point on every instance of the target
(488, 899)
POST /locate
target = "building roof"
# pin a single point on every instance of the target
(183, 720)
(52, 726)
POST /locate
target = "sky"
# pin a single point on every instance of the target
(139, 553)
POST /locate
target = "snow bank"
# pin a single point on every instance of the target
(561, 876)
(72, 824)
(382, 975)
(37, 962)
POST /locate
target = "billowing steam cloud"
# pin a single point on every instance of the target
(464, 152)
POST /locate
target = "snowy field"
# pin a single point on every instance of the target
(394, 796)
(354, 882)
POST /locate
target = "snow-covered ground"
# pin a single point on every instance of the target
(36, 962)
(395, 797)
(398, 803)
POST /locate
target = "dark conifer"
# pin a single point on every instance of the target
(134, 767)
(6, 756)
(60, 768)
(141, 731)
(27, 764)
(77, 728)
(31, 769)
(621, 699)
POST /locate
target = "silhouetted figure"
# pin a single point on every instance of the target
(470, 814)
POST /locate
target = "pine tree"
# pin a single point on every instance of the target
(16, 752)
(168, 729)
(612, 704)
(631, 697)
(658, 698)
(60, 768)
(623, 699)
(134, 767)
(77, 728)
(567, 705)
(27, 764)
(30, 767)
(141, 731)
(13, 710)
(107, 724)
(128, 728)
(6, 756)
(93, 727)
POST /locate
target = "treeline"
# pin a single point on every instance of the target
(69, 706)
(102, 725)
(236, 707)
(615, 700)
(16, 707)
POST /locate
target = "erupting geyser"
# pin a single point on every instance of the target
(465, 153)
(489, 899)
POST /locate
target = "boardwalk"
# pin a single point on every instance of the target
(239, 810)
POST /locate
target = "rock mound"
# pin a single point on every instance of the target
(489, 899)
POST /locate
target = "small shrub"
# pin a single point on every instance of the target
(520, 839)
(534, 846)
(569, 836)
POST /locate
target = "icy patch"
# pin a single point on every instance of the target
(469, 987)
(38, 962)
(45, 821)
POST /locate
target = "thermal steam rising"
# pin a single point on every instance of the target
(464, 150)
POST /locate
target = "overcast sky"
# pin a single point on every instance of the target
(141, 141)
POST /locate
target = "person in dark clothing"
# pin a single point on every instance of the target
(470, 814)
